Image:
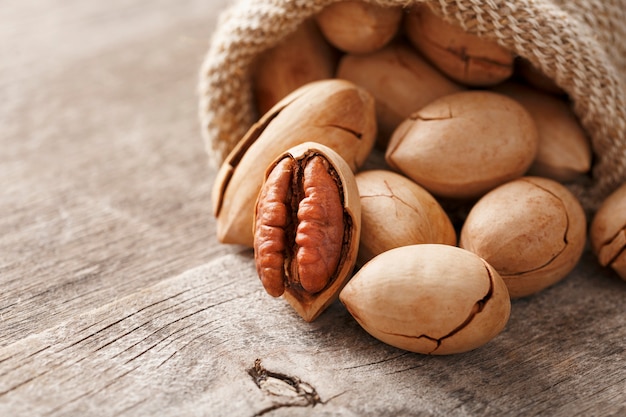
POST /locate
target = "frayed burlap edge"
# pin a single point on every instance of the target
(565, 47)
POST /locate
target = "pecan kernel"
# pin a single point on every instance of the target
(299, 227)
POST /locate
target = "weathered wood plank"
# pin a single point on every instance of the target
(185, 346)
(104, 186)
(104, 197)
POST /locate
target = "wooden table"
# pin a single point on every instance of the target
(116, 298)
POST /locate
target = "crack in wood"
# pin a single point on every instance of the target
(410, 368)
(38, 351)
(161, 340)
(182, 329)
(152, 334)
(7, 358)
(139, 341)
(115, 339)
(141, 353)
(167, 359)
(210, 306)
(29, 356)
(84, 329)
(7, 307)
(201, 335)
(378, 362)
(96, 332)
(155, 331)
(184, 346)
(141, 310)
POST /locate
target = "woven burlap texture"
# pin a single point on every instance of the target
(580, 44)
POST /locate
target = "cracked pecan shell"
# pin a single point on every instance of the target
(464, 57)
(393, 75)
(395, 212)
(465, 144)
(430, 298)
(307, 226)
(531, 230)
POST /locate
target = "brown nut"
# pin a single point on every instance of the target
(401, 82)
(335, 113)
(357, 27)
(564, 152)
(608, 232)
(432, 299)
(302, 57)
(396, 212)
(306, 228)
(464, 144)
(531, 230)
(464, 57)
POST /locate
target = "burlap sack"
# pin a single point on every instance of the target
(580, 44)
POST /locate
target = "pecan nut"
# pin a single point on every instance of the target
(306, 227)
(608, 232)
(335, 113)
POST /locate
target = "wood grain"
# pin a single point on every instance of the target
(117, 300)
(187, 346)
(104, 180)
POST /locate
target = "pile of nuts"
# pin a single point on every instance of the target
(469, 208)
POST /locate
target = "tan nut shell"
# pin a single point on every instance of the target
(396, 212)
(310, 306)
(464, 57)
(358, 27)
(608, 232)
(302, 57)
(432, 299)
(564, 152)
(335, 113)
(465, 144)
(400, 80)
(531, 230)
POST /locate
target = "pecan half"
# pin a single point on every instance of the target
(306, 227)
